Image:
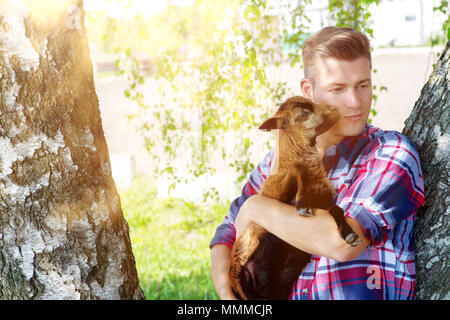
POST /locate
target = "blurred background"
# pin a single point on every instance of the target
(183, 85)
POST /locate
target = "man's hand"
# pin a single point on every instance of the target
(221, 256)
(220, 268)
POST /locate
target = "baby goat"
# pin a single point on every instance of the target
(264, 266)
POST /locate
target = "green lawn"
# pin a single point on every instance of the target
(170, 242)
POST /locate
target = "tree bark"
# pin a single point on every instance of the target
(62, 230)
(428, 127)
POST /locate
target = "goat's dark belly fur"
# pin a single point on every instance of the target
(272, 269)
(274, 266)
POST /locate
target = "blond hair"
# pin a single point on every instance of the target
(334, 42)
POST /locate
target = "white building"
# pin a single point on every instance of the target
(405, 22)
(394, 22)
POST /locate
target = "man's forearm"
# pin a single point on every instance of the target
(317, 234)
(220, 268)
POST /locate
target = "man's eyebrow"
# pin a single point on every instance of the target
(365, 80)
(339, 84)
(336, 84)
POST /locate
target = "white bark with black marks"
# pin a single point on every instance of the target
(428, 127)
(62, 230)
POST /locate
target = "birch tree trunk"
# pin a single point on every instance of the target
(428, 127)
(62, 231)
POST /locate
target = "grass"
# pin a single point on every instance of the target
(170, 241)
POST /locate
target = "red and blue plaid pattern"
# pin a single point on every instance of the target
(379, 183)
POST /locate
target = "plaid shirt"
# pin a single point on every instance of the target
(379, 183)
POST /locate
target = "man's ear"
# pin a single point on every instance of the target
(306, 88)
(271, 124)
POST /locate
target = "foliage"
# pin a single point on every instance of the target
(352, 13)
(170, 240)
(209, 73)
(444, 8)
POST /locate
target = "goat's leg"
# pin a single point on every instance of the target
(345, 230)
(280, 186)
(303, 208)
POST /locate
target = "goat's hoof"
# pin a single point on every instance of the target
(306, 212)
(353, 240)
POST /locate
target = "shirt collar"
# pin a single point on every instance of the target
(346, 146)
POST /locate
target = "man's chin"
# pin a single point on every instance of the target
(353, 130)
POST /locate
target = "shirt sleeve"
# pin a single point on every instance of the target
(387, 188)
(226, 231)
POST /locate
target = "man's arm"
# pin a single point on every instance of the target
(220, 267)
(225, 234)
(317, 234)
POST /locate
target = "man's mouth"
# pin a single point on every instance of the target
(354, 117)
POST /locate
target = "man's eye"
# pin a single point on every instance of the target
(364, 86)
(336, 89)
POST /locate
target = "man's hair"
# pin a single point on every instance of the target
(334, 42)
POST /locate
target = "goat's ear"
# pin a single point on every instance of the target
(271, 124)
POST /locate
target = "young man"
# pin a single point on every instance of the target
(378, 182)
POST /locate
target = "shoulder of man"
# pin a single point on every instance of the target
(390, 145)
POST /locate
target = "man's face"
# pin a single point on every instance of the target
(346, 85)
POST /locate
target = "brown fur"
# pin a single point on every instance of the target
(263, 266)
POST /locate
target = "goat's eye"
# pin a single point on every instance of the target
(307, 107)
(302, 115)
(299, 106)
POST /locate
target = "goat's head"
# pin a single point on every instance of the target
(300, 116)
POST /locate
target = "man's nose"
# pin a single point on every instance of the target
(353, 100)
